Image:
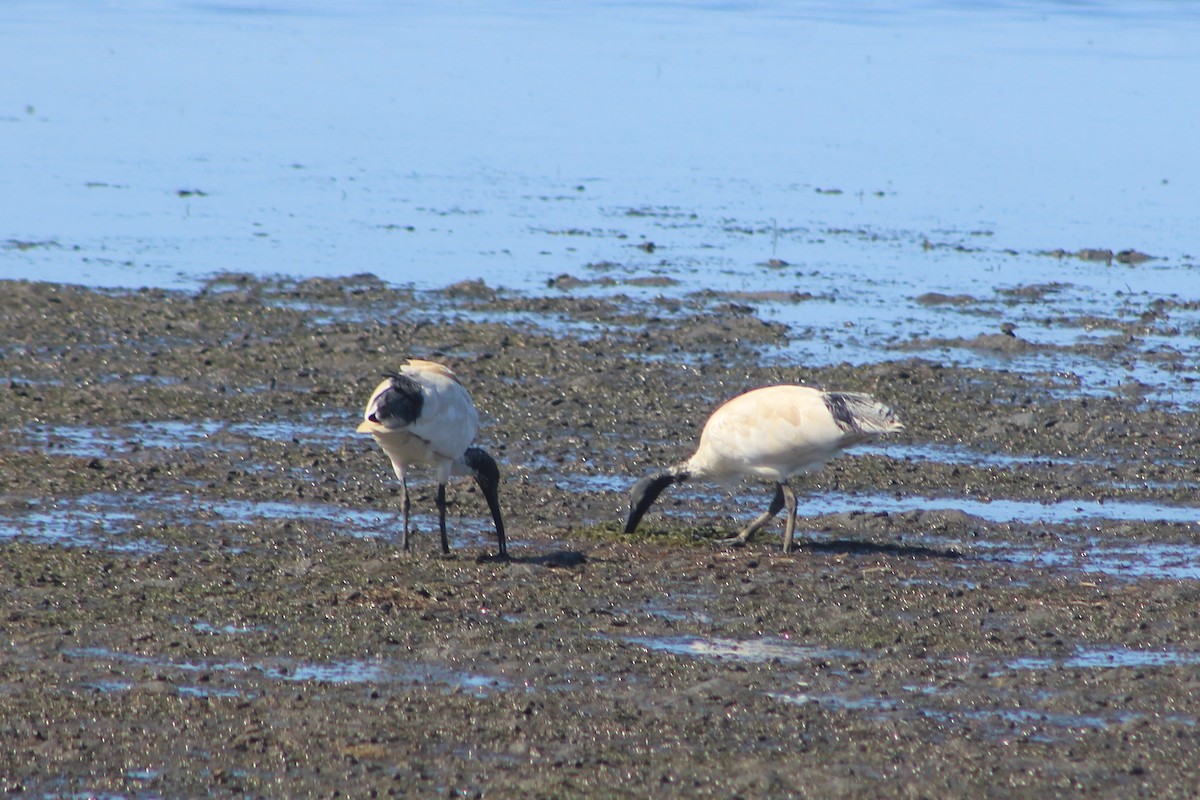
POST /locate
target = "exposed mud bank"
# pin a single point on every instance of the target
(203, 589)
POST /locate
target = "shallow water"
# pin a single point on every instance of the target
(1074, 510)
(116, 523)
(344, 672)
(89, 442)
(945, 148)
(1100, 556)
(1110, 658)
(310, 140)
(926, 700)
(929, 700)
(765, 649)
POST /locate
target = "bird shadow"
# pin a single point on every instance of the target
(862, 548)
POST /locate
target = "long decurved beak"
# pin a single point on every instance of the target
(643, 494)
(487, 475)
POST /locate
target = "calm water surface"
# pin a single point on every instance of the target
(864, 154)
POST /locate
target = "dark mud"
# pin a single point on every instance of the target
(203, 592)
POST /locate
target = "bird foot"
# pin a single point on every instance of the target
(733, 541)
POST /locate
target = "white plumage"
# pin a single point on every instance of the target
(775, 433)
(422, 416)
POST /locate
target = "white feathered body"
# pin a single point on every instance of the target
(443, 428)
(779, 431)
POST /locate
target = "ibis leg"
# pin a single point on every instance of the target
(789, 495)
(405, 505)
(768, 515)
(441, 504)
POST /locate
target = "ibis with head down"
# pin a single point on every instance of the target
(422, 416)
(775, 432)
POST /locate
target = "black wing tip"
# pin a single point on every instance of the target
(861, 413)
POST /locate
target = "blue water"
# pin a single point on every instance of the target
(860, 155)
(756, 650)
(155, 143)
(1109, 658)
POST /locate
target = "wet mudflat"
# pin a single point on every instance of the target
(203, 590)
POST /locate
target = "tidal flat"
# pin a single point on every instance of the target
(204, 593)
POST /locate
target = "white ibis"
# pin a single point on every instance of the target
(774, 432)
(423, 417)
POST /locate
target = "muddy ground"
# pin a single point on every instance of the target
(203, 592)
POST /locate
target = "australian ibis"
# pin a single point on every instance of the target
(422, 416)
(775, 432)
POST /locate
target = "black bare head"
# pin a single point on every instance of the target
(483, 468)
(398, 405)
(646, 491)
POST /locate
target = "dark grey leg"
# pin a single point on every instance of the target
(789, 495)
(768, 515)
(404, 504)
(441, 504)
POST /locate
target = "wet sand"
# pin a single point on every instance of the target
(204, 592)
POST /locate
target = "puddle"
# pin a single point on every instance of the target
(943, 454)
(1032, 723)
(553, 323)
(583, 482)
(219, 630)
(1150, 560)
(105, 520)
(364, 523)
(1081, 373)
(751, 497)
(1002, 722)
(835, 701)
(753, 650)
(89, 442)
(208, 691)
(463, 531)
(572, 481)
(1059, 512)
(142, 774)
(388, 672)
(93, 520)
(1109, 658)
(109, 686)
(887, 315)
(336, 672)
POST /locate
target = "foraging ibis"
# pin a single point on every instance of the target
(422, 416)
(773, 432)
